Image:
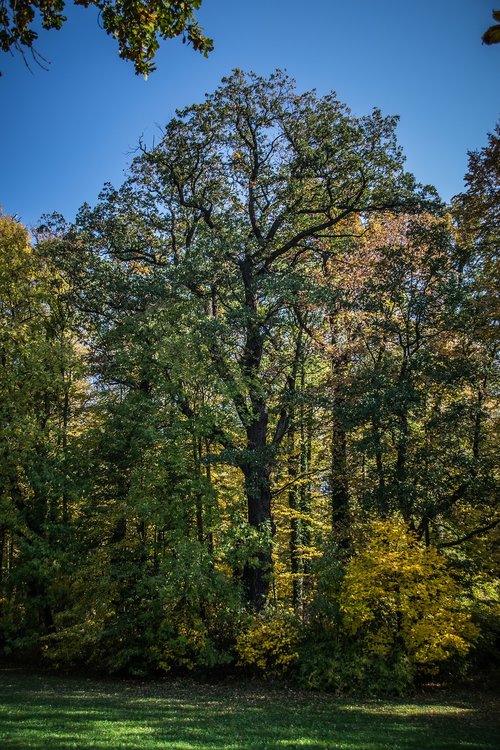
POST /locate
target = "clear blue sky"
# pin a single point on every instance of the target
(65, 132)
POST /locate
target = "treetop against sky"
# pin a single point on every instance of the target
(66, 131)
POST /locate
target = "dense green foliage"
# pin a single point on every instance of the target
(248, 407)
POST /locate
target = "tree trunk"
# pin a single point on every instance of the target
(3, 540)
(198, 495)
(256, 575)
(295, 523)
(257, 470)
(339, 490)
(305, 461)
(379, 463)
(256, 465)
(476, 440)
(404, 501)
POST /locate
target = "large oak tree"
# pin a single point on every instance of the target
(231, 206)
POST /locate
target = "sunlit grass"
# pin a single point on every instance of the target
(48, 712)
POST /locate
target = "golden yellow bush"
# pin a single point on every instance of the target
(269, 643)
(397, 592)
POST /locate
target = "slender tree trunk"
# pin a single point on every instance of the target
(404, 500)
(65, 421)
(339, 487)
(208, 474)
(305, 458)
(3, 539)
(257, 470)
(295, 522)
(476, 440)
(198, 493)
(339, 490)
(379, 463)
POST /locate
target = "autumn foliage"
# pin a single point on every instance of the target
(248, 408)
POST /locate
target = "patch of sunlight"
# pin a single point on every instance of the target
(408, 709)
(315, 743)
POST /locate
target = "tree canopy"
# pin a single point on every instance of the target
(137, 26)
(248, 406)
(492, 34)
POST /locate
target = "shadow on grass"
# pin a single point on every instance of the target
(42, 712)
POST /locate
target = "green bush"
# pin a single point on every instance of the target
(342, 667)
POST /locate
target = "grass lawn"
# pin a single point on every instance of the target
(54, 713)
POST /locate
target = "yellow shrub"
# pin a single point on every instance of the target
(269, 643)
(397, 592)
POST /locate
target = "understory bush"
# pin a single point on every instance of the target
(269, 643)
(380, 620)
(138, 621)
(392, 616)
(342, 666)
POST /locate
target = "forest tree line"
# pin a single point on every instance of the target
(247, 407)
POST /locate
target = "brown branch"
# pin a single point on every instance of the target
(470, 535)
